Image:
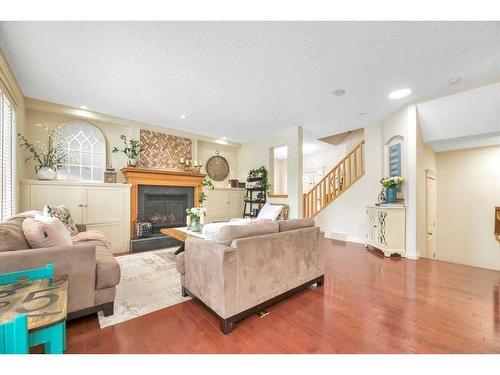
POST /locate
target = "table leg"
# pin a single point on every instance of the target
(180, 249)
(55, 340)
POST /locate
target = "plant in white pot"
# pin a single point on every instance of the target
(131, 149)
(46, 156)
(196, 218)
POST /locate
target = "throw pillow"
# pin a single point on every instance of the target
(44, 231)
(269, 211)
(63, 214)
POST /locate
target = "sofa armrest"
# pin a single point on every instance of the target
(76, 262)
(210, 274)
(81, 227)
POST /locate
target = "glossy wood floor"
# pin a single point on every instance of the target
(368, 304)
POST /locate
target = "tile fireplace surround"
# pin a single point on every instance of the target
(157, 177)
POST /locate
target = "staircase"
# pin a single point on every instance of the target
(350, 169)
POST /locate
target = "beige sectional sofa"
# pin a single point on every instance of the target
(249, 267)
(92, 270)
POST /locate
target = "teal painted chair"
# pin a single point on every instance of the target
(54, 337)
(14, 336)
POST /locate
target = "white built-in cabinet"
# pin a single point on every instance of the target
(104, 207)
(224, 204)
(386, 229)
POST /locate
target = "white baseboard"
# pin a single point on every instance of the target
(344, 237)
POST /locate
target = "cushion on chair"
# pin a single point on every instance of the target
(269, 211)
(63, 214)
(12, 235)
(107, 269)
(293, 224)
(228, 233)
(43, 231)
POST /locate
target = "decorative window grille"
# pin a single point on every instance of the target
(86, 148)
(7, 158)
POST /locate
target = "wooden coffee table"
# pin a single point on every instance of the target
(181, 234)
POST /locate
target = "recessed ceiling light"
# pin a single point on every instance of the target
(183, 117)
(454, 81)
(398, 94)
(362, 113)
(339, 92)
(83, 107)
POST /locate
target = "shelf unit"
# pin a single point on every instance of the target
(252, 202)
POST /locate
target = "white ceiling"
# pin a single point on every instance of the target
(464, 120)
(241, 80)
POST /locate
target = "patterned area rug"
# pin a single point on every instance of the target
(149, 282)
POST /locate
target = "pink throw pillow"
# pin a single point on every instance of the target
(43, 231)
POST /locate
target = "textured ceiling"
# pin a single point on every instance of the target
(241, 80)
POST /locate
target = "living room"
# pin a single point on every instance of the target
(249, 187)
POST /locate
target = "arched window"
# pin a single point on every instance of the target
(86, 148)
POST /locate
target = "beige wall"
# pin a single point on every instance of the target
(208, 149)
(426, 160)
(112, 127)
(468, 189)
(257, 153)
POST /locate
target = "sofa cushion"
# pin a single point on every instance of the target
(269, 211)
(228, 233)
(12, 236)
(43, 231)
(63, 214)
(293, 224)
(179, 263)
(107, 269)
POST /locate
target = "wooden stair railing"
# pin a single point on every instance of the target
(350, 169)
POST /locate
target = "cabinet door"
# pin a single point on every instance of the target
(216, 205)
(115, 233)
(69, 196)
(382, 228)
(234, 201)
(104, 205)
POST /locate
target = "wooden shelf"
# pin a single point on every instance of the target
(254, 179)
(255, 200)
(256, 189)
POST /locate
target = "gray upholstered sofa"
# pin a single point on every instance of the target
(249, 267)
(92, 270)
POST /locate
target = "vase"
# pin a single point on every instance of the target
(391, 194)
(46, 173)
(132, 162)
(195, 225)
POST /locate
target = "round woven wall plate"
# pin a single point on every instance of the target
(217, 168)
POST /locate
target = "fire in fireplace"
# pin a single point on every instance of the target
(164, 206)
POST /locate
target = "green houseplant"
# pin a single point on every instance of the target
(261, 173)
(131, 149)
(46, 156)
(391, 185)
(206, 184)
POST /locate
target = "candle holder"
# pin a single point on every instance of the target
(187, 166)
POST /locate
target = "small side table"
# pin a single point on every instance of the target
(44, 302)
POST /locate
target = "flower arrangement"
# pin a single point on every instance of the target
(131, 149)
(196, 218)
(388, 182)
(46, 156)
(391, 185)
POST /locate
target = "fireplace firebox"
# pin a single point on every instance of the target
(163, 207)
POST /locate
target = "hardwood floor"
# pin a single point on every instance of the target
(368, 305)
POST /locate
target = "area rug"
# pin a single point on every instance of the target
(149, 282)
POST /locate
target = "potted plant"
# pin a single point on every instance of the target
(260, 173)
(196, 216)
(131, 149)
(391, 185)
(47, 156)
(206, 184)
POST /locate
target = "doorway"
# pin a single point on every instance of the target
(430, 225)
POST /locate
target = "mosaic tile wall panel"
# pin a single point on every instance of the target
(161, 150)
